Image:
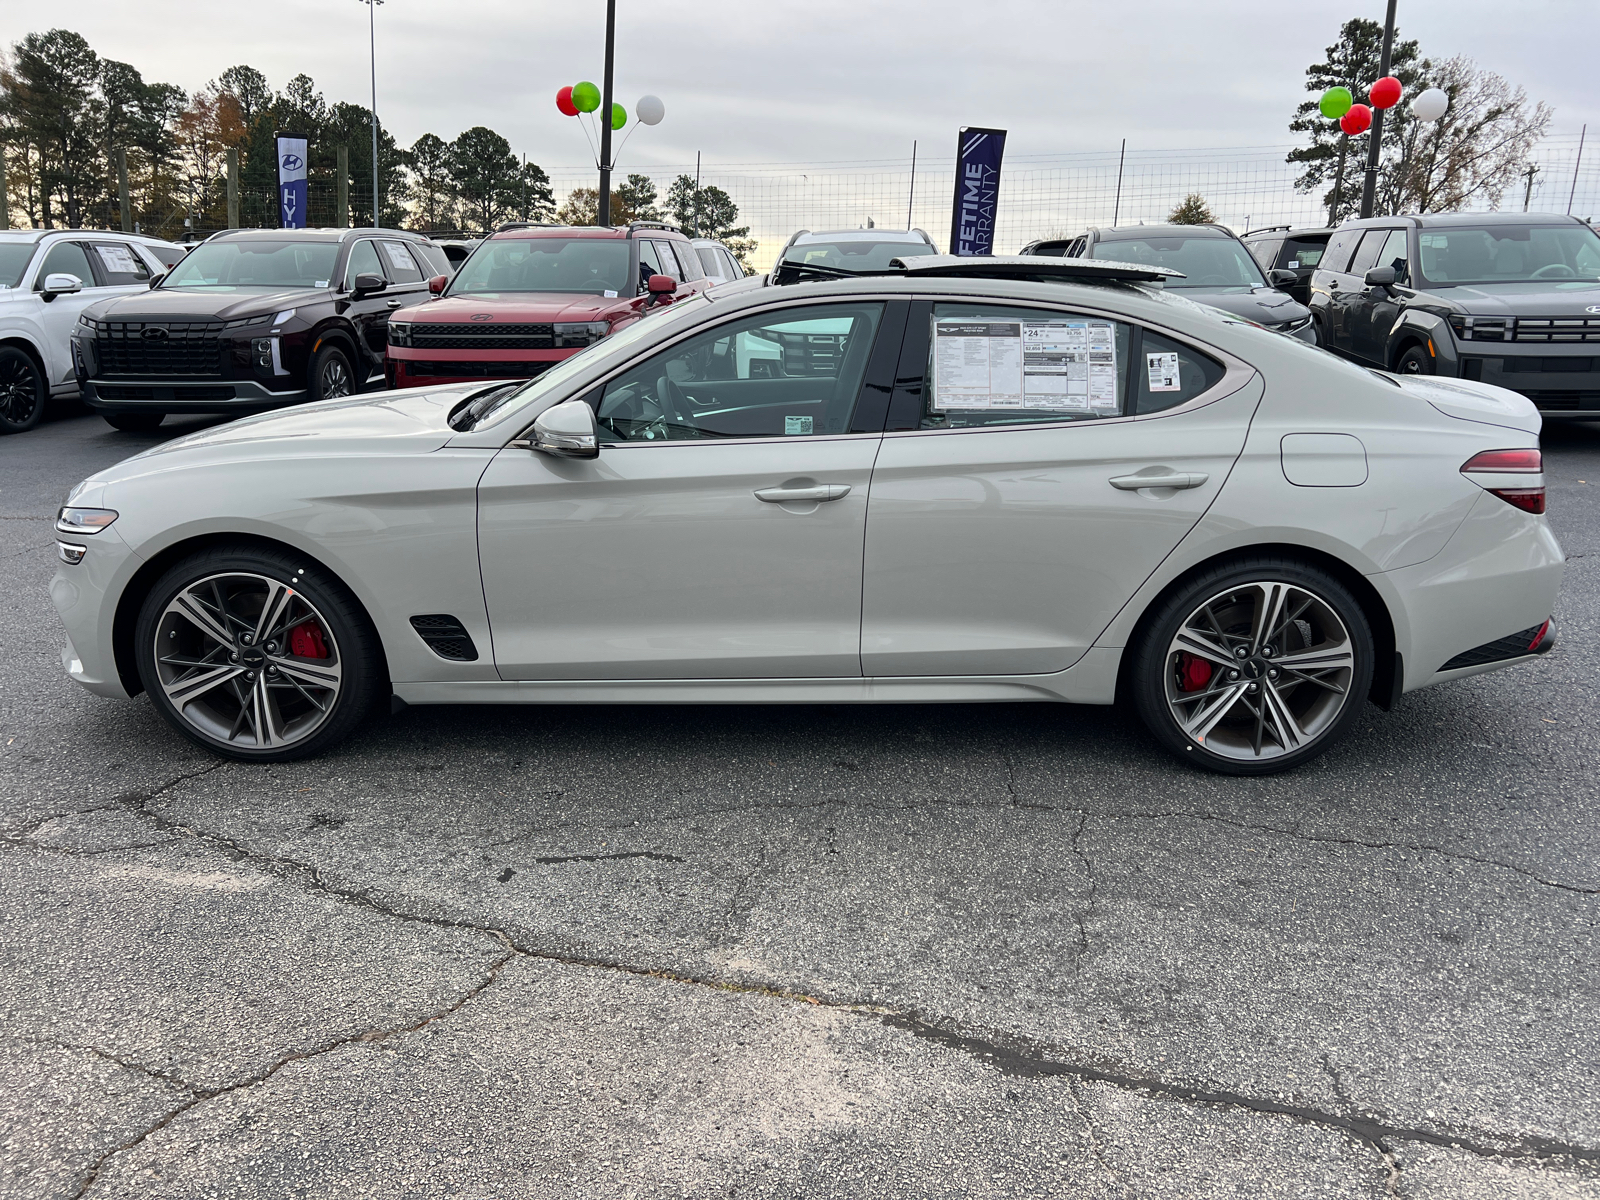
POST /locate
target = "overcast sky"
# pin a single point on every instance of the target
(832, 80)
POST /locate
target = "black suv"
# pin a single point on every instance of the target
(1217, 269)
(1511, 299)
(1285, 248)
(253, 319)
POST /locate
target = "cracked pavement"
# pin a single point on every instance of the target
(786, 951)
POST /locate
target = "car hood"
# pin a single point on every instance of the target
(161, 304)
(412, 420)
(1534, 299)
(1467, 400)
(518, 307)
(1265, 306)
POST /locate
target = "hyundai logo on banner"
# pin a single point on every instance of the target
(977, 195)
(292, 182)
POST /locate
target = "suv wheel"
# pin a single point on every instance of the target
(331, 376)
(1254, 667)
(22, 390)
(133, 422)
(1414, 360)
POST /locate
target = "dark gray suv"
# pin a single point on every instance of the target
(1511, 299)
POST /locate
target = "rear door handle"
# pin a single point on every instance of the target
(1132, 483)
(820, 494)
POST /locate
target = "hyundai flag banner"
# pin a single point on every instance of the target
(978, 154)
(292, 182)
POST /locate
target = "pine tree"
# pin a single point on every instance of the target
(1193, 210)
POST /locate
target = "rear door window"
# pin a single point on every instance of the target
(688, 260)
(1168, 373)
(1340, 247)
(119, 264)
(708, 260)
(398, 263)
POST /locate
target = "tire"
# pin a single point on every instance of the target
(331, 376)
(1257, 715)
(134, 422)
(22, 390)
(1414, 360)
(261, 691)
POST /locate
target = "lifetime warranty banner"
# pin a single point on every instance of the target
(978, 153)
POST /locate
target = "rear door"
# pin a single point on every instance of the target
(1008, 521)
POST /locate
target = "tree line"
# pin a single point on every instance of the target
(69, 118)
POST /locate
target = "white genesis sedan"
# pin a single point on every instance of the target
(957, 480)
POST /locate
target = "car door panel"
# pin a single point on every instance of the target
(1009, 550)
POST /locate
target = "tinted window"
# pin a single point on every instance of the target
(14, 258)
(854, 255)
(1340, 247)
(709, 260)
(650, 264)
(1169, 373)
(1509, 254)
(587, 266)
(1367, 254)
(990, 365)
(735, 269)
(65, 257)
(437, 260)
(1265, 251)
(363, 261)
(255, 264)
(792, 372)
(120, 264)
(1394, 254)
(1304, 252)
(1206, 262)
(688, 260)
(399, 265)
(167, 256)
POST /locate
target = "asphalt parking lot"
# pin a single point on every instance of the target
(923, 951)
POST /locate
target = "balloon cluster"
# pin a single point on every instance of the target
(585, 98)
(1337, 104)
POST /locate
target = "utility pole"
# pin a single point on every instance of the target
(1527, 195)
(1338, 181)
(5, 196)
(1116, 208)
(372, 36)
(604, 213)
(911, 193)
(1581, 135)
(341, 189)
(233, 190)
(1369, 185)
(122, 189)
(695, 232)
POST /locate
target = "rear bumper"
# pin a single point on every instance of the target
(200, 396)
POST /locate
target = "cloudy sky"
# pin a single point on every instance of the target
(832, 80)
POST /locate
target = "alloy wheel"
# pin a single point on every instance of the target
(19, 388)
(1259, 671)
(247, 660)
(335, 379)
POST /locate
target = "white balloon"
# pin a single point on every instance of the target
(1430, 105)
(650, 110)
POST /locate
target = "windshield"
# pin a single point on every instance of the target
(582, 266)
(1206, 262)
(14, 258)
(272, 264)
(853, 255)
(1509, 254)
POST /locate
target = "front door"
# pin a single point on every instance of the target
(1371, 322)
(1010, 515)
(58, 316)
(369, 313)
(719, 533)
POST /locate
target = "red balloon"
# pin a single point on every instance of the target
(1357, 120)
(564, 102)
(1385, 93)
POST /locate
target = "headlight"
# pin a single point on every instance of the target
(85, 325)
(84, 520)
(400, 333)
(580, 333)
(1483, 329)
(1295, 325)
(280, 318)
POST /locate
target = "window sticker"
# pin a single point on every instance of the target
(977, 364)
(796, 425)
(1102, 365)
(398, 258)
(1293, 264)
(1049, 366)
(322, 283)
(1163, 371)
(610, 295)
(117, 258)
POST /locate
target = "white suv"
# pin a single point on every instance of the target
(48, 277)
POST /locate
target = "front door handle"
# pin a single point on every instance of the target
(395, 303)
(820, 494)
(1133, 483)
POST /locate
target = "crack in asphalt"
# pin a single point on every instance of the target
(1081, 917)
(128, 801)
(650, 854)
(1391, 1181)
(118, 1060)
(1092, 1131)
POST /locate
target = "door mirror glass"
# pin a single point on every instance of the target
(366, 284)
(1283, 279)
(567, 430)
(60, 284)
(1380, 277)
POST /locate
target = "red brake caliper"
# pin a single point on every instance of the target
(305, 641)
(1193, 672)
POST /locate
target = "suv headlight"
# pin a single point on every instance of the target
(580, 333)
(399, 333)
(83, 521)
(1294, 325)
(85, 325)
(1483, 329)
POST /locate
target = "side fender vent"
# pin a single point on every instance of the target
(446, 637)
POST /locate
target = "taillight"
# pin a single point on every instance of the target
(1511, 462)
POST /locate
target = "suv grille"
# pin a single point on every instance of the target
(488, 336)
(1557, 329)
(173, 348)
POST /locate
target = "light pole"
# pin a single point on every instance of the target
(1369, 185)
(372, 36)
(605, 117)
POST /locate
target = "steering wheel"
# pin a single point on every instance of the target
(673, 404)
(1554, 271)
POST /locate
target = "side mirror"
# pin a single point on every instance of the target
(1282, 278)
(567, 430)
(1380, 277)
(660, 287)
(155, 280)
(438, 283)
(367, 284)
(59, 284)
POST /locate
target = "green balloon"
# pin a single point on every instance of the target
(1336, 101)
(619, 116)
(586, 97)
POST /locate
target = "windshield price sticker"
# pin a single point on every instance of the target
(1163, 370)
(1050, 366)
(118, 258)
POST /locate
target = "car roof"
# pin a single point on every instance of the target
(38, 235)
(1128, 233)
(314, 235)
(1456, 220)
(1289, 231)
(912, 237)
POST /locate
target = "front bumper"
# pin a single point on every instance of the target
(1559, 379)
(85, 597)
(227, 377)
(199, 396)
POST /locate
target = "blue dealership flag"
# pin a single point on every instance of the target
(291, 182)
(977, 196)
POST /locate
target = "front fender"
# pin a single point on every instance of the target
(1414, 324)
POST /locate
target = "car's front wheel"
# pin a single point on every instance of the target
(22, 390)
(1414, 360)
(134, 422)
(257, 654)
(1254, 667)
(331, 376)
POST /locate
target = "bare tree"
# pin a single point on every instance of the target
(1475, 151)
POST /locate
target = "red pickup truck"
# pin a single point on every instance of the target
(532, 295)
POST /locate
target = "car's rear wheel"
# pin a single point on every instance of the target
(1414, 360)
(134, 422)
(256, 654)
(1254, 667)
(22, 390)
(331, 376)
